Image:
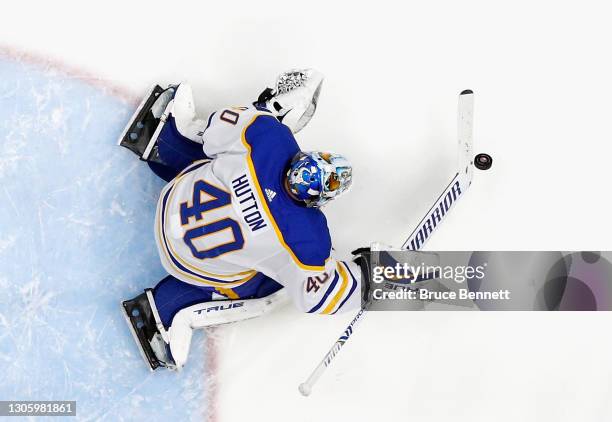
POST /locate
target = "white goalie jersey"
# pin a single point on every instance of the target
(228, 221)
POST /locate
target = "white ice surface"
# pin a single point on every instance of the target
(541, 74)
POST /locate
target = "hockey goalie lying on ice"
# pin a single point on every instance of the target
(239, 224)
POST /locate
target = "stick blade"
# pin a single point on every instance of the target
(465, 137)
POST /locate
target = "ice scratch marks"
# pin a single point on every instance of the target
(35, 301)
(6, 328)
(76, 235)
(51, 116)
(9, 199)
(118, 403)
(88, 114)
(80, 221)
(57, 121)
(5, 244)
(67, 380)
(57, 117)
(13, 144)
(117, 209)
(10, 91)
(21, 325)
(120, 178)
(41, 228)
(81, 227)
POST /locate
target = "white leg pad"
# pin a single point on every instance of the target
(216, 313)
(187, 123)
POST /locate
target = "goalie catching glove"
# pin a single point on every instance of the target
(294, 98)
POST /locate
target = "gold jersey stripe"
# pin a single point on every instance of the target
(338, 296)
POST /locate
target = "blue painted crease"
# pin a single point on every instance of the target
(76, 237)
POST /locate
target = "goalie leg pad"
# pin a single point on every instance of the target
(215, 313)
(181, 307)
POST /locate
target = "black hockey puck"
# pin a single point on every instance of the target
(483, 161)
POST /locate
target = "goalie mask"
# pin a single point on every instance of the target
(318, 177)
(294, 98)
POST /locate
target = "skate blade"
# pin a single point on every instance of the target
(162, 121)
(137, 112)
(136, 339)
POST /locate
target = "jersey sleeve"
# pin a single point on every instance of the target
(225, 129)
(336, 289)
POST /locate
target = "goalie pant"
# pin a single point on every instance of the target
(227, 230)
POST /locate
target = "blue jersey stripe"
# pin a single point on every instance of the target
(209, 120)
(331, 287)
(353, 287)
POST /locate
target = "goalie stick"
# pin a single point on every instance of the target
(460, 181)
(430, 222)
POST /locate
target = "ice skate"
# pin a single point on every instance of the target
(141, 133)
(148, 333)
